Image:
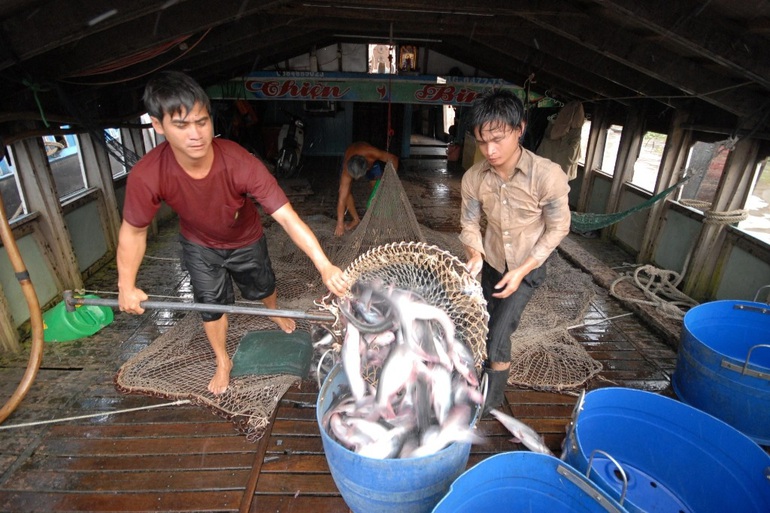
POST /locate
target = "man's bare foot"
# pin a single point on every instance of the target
(352, 224)
(221, 378)
(287, 324)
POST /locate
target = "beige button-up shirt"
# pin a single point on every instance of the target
(527, 215)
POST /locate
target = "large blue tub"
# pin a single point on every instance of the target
(675, 457)
(723, 364)
(525, 481)
(368, 485)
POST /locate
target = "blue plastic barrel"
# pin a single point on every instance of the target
(369, 485)
(723, 364)
(674, 457)
(525, 481)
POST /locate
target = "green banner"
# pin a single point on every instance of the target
(362, 87)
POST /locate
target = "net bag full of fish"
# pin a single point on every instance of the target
(414, 325)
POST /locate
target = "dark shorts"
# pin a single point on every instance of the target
(505, 314)
(375, 172)
(213, 271)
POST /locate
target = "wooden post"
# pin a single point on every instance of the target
(673, 160)
(628, 153)
(99, 173)
(40, 193)
(597, 137)
(9, 337)
(701, 276)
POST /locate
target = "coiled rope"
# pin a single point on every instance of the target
(660, 288)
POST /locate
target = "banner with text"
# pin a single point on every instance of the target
(362, 87)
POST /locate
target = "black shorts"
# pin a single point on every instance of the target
(505, 314)
(212, 272)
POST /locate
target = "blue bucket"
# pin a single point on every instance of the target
(674, 457)
(525, 481)
(369, 485)
(723, 364)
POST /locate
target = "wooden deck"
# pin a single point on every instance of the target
(184, 458)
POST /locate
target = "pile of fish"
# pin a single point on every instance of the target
(413, 385)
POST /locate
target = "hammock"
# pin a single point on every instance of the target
(588, 221)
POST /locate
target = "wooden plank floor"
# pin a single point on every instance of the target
(184, 458)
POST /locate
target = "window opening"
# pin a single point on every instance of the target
(115, 144)
(10, 188)
(758, 205)
(647, 166)
(66, 164)
(584, 133)
(611, 147)
(382, 58)
(705, 165)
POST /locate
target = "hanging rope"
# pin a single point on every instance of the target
(36, 88)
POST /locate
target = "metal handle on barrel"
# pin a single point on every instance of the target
(572, 426)
(744, 369)
(620, 469)
(748, 356)
(760, 289)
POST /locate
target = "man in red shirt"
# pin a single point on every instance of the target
(210, 184)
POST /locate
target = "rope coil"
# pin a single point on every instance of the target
(660, 288)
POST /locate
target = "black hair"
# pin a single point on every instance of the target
(496, 106)
(169, 92)
(357, 166)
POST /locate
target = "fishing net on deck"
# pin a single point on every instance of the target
(389, 244)
(544, 355)
(180, 363)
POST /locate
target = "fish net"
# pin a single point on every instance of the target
(180, 363)
(388, 244)
(438, 277)
(544, 355)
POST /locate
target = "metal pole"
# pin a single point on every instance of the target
(71, 301)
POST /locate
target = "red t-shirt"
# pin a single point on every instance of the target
(216, 211)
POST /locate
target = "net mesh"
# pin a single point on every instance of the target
(389, 218)
(391, 245)
(544, 355)
(588, 221)
(180, 363)
(439, 278)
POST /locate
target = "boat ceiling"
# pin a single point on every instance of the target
(74, 58)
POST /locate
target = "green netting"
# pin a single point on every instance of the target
(273, 352)
(588, 221)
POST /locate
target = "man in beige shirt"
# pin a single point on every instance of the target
(523, 199)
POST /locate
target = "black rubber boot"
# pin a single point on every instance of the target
(496, 382)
